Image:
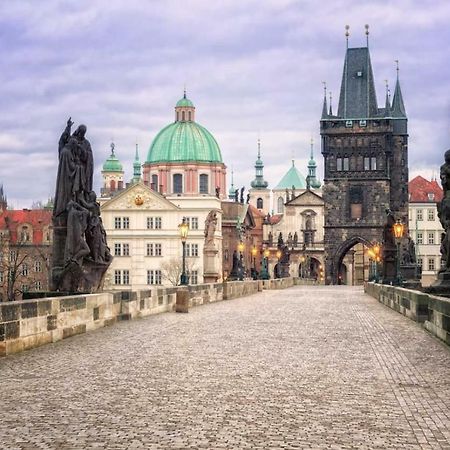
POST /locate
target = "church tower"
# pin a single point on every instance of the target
(136, 167)
(311, 179)
(365, 151)
(259, 194)
(112, 175)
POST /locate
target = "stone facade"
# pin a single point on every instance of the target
(365, 150)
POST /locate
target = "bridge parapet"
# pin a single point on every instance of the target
(27, 324)
(431, 310)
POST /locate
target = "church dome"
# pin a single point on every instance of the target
(184, 140)
(293, 177)
(112, 164)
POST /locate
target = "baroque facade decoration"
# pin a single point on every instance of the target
(365, 150)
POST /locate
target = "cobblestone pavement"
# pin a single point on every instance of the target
(306, 367)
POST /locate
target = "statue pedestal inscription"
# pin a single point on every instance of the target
(210, 265)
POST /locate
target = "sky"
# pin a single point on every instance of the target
(253, 69)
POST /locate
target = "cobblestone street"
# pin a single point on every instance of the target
(306, 367)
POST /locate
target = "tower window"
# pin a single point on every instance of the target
(178, 183)
(345, 164)
(178, 116)
(280, 205)
(339, 164)
(154, 183)
(190, 116)
(203, 184)
(259, 203)
(183, 116)
(112, 185)
(356, 203)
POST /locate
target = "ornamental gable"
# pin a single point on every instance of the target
(138, 196)
(307, 198)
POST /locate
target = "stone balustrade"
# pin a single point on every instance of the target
(27, 324)
(431, 310)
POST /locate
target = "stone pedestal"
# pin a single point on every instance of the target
(182, 302)
(210, 264)
(441, 286)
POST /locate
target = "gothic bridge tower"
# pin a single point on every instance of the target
(365, 150)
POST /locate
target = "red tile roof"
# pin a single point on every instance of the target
(38, 219)
(275, 219)
(419, 189)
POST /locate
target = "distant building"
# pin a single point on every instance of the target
(183, 178)
(424, 225)
(25, 250)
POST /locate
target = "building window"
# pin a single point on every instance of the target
(431, 237)
(356, 202)
(117, 249)
(38, 286)
(154, 277)
(419, 262)
(192, 222)
(370, 163)
(154, 249)
(122, 276)
(24, 287)
(154, 183)
(419, 237)
(431, 264)
(178, 116)
(1, 276)
(280, 205)
(259, 203)
(419, 215)
(126, 222)
(190, 116)
(37, 266)
(178, 183)
(24, 270)
(345, 164)
(193, 276)
(126, 250)
(339, 164)
(191, 249)
(183, 116)
(117, 223)
(154, 223)
(204, 184)
(431, 214)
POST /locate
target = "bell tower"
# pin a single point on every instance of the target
(365, 151)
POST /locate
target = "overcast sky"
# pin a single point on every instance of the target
(252, 68)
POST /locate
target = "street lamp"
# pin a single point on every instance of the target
(184, 229)
(264, 275)
(302, 266)
(254, 252)
(241, 248)
(398, 229)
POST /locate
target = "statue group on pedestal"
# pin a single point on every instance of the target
(80, 251)
(444, 210)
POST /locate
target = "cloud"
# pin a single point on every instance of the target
(253, 69)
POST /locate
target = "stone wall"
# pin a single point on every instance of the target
(27, 324)
(432, 311)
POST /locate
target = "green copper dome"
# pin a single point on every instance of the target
(184, 102)
(112, 164)
(184, 141)
(292, 178)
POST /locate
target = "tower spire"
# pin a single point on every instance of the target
(324, 107)
(136, 166)
(387, 105)
(259, 182)
(366, 26)
(398, 107)
(331, 107)
(311, 179)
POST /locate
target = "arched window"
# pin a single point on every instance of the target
(183, 116)
(154, 183)
(112, 185)
(203, 184)
(259, 203)
(190, 116)
(178, 116)
(178, 183)
(280, 205)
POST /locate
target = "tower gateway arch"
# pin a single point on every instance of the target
(365, 151)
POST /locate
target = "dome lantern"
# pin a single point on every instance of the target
(184, 110)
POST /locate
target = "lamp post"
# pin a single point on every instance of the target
(278, 274)
(241, 248)
(398, 229)
(264, 275)
(254, 252)
(302, 266)
(377, 252)
(184, 228)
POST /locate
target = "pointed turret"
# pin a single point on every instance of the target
(136, 167)
(232, 190)
(311, 179)
(324, 107)
(398, 107)
(259, 182)
(331, 106)
(387, 105)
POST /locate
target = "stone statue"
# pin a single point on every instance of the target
(408, 252)
(218, 192)
(287, 195)
(445, 173)
(389, 249)
(236, 195)
(295, 242)
(289, 239)
(280, 242)
(270, 239)
(242, 194)
(248, 199)
(444, 210)
(80, 252)
(210, 228)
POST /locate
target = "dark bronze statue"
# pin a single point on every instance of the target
(80, 252)
(444, 211)
(242, 194)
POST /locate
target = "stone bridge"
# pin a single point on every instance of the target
(305, 367)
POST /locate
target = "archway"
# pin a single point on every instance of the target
(351, 263)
